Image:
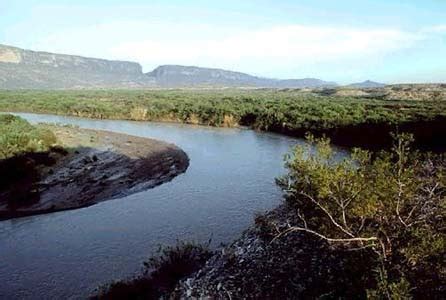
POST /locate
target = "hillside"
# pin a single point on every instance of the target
(26, 69)
(190, 76)
(367, 84)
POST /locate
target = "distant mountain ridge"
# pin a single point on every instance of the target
(184, 76)
(26, 69)
(367, 84)
(23, 69)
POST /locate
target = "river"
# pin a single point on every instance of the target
(66, 255)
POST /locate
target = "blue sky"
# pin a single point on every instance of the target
(343, 41)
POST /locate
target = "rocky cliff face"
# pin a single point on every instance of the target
(10, 55)
(30, 69)
(25, 69)
(32, 58)
(184, 76)
(174, 75)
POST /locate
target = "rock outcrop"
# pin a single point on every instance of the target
(26, 69)
(190, 76)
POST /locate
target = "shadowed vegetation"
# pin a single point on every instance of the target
(161, 273)
(24, 150)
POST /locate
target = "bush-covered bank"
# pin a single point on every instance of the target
(17, 137)
(97, 166)
(161, 273)
(350, 121)
(391, 206)
(429, 134)
(24, 151)
(371, 226)
(19, 177)
(368, 226)
(295, 267)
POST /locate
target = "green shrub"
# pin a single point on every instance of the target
(392, 204)
(263, 109)
(17, 136)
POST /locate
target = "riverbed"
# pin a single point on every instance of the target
(66, 255)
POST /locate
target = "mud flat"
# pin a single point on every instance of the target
(92, 166)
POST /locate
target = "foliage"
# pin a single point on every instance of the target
(285, 110)
(389, 290)
(17, 136)
(391, 204)
(349, 120)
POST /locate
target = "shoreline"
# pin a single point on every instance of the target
(255, 266)
(369, 136)
(160, 121)
(98, 166)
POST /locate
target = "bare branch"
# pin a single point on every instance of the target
(362, 248)
(400, 193)
(328, 239)
(329, 215)
(301, 217)
(344, 218)
(362, 224)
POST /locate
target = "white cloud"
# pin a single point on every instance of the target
(279, 46)
(436, 29)
(284, 51)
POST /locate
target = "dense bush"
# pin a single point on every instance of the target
(17, 136)
(349, 121)
(391, 205)
(262, 109)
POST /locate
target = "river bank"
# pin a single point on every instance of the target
(254, 266)
(349, 120)
(98, 166)
(295, 251)
(111, 239)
